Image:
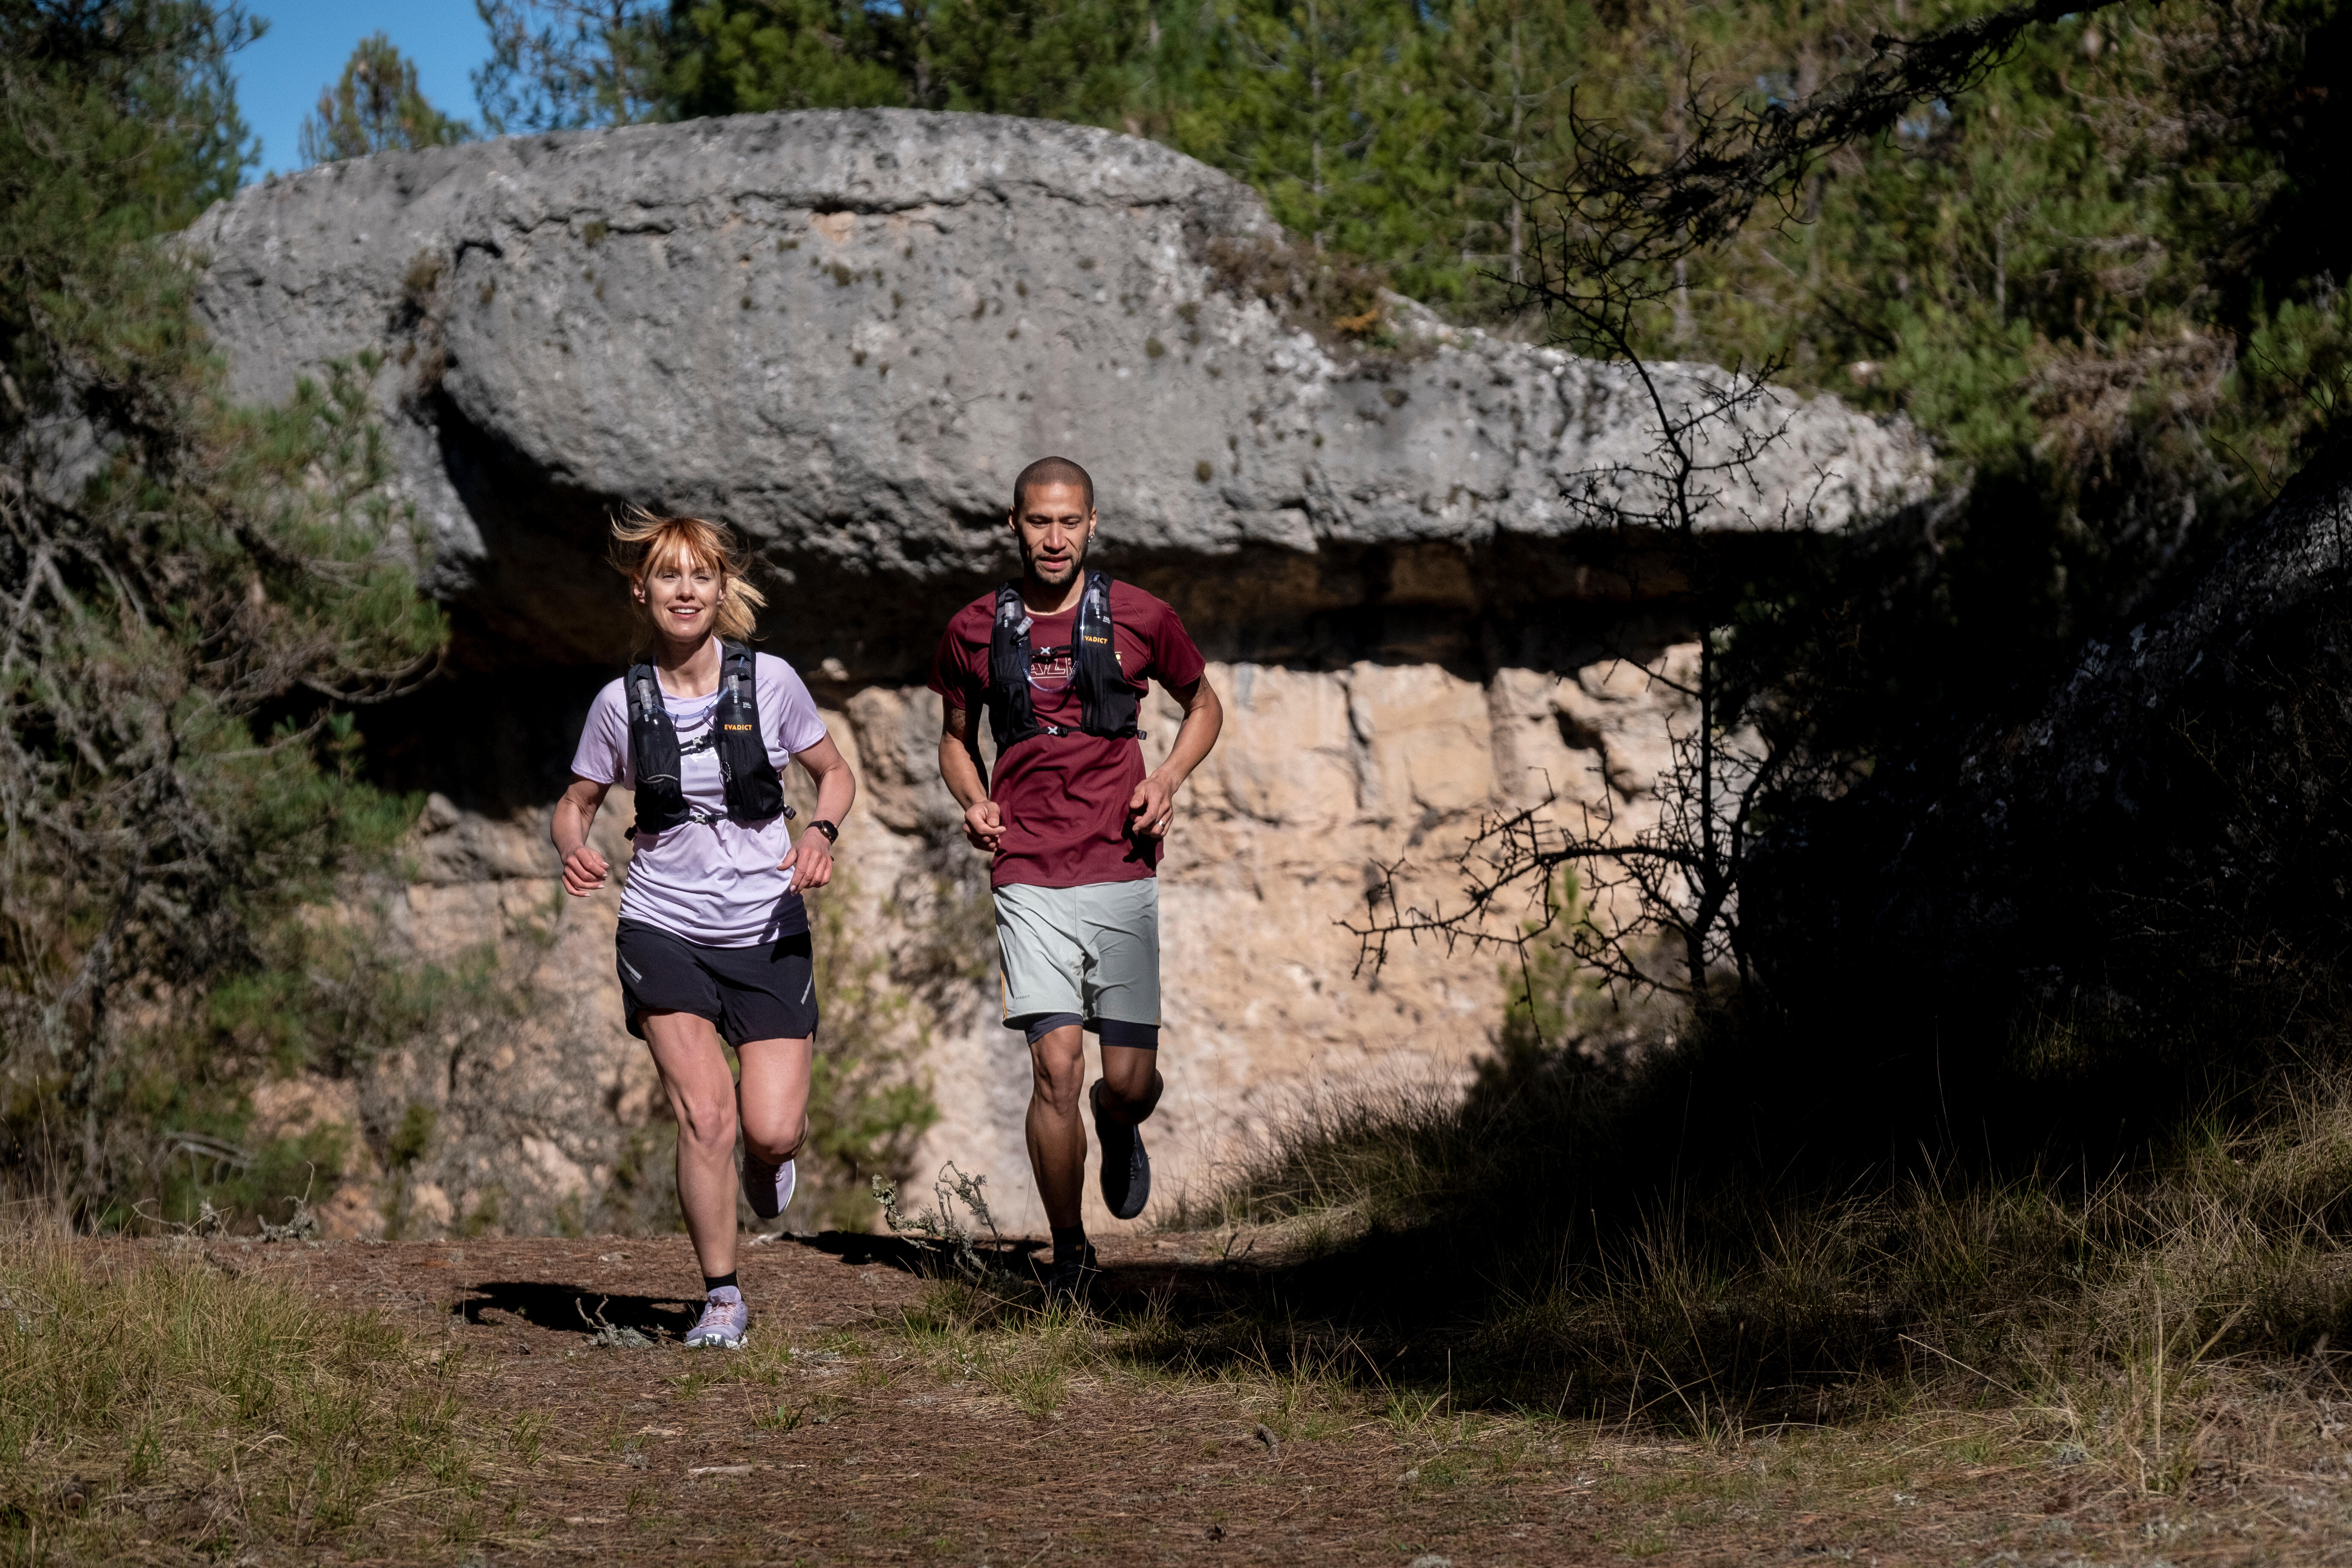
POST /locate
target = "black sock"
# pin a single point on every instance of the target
(713, 1281)
(1069, 1243)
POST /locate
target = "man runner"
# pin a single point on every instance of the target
(1075, 825)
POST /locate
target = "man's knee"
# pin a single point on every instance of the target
(1059, 1062)
(1131, 1083)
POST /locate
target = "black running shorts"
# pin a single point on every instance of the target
(766, 992)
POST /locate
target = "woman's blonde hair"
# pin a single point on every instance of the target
(643, 543)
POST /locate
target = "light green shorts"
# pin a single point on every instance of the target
(1082, 955)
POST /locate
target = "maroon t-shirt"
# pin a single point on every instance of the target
(1063, 797)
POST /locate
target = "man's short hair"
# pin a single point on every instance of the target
(1052, 471)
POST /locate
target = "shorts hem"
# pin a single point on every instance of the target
(1123, 1032)
(1037, 1025)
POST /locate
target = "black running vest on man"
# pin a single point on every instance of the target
(1108, 700)
(755, 791)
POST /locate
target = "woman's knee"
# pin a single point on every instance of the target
(772, 1145)
(706, 1121)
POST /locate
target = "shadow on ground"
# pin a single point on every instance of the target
(569, 1309)
(1770, 1219)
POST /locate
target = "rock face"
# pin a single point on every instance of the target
(844, 333)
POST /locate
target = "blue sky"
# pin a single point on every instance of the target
(278, 79)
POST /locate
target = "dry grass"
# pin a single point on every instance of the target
(2140, 1364)
(1191, 1420)
(2149, 1437)
(169, 1406)
(2104, 1315)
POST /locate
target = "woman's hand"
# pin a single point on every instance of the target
(584, 872)
(810, 861)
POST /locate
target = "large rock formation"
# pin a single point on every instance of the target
(843, 334)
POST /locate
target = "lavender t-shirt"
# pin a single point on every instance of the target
(715, 884)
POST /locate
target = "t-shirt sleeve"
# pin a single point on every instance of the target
(953, 673)
(603, 754)
(1175, 661)
(787, 712)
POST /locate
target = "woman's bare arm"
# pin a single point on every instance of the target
(584, 870)
(810, 860)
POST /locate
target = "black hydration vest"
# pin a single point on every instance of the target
(1108, 700)
(755, 791)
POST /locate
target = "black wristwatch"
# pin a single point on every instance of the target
(831, 834)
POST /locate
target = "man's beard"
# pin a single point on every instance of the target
(1078, 564)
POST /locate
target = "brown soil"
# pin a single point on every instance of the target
(877, 1447)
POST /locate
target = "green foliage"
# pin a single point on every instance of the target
(2085, 282)
(123, 126)
(1333, 111)
(192, 590)
(1544, 986)
(334, 994)
(738, 58)
(413, 1137)
(869, 1104)
(558, 65)
(2292, 380)
(376, 107)
(1070, 61)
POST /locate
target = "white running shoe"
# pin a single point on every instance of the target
(724, 1322)
(769, 1188)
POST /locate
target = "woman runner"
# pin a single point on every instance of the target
(714, 938)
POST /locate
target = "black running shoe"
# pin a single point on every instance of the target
(1074, 1280)
(1126, 1168)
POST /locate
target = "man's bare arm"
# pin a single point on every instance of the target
(1153, 803)
(983, 822)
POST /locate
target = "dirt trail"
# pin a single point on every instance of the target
(872, 1442)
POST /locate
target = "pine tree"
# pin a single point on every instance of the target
(189, 590)
(1048, 59)
(1323, 106)
(1506, 69)
(377, 107)
(559, 64)
(749, 57)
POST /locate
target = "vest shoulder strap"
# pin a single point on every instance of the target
(755, 790)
